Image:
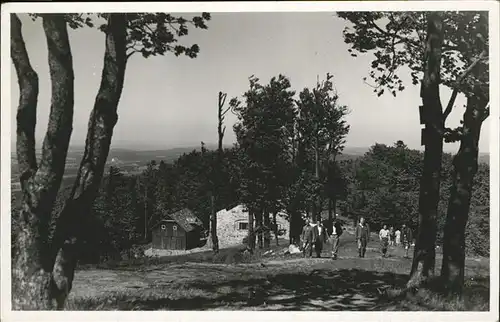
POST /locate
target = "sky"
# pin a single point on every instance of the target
(170, 101)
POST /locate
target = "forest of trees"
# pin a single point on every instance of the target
(285, 158)
(380, 185)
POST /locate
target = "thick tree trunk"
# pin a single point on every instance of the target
(26, 122)
(32, 287)
(71, 225)
(465, 165)
(26, 112)
(251, 235)
(424, 254)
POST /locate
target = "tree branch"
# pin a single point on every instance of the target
(71, 222)
(28, 96)
(486, 112)
(387, 34)
(222, 99)
(33, 262)
(56, 142)
(227, 109)
(459, 81)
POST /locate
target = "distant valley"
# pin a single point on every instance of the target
(134, 161)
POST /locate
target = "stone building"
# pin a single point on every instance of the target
(232, 226)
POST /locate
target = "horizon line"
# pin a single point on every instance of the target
(136, 147)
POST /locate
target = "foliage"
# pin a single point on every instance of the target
(383, 187)
(265, 122)
(149, 34)
(322, 129)
(397, 40)
(321, 116)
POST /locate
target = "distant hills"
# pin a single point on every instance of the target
(139, 158)
(133, 161)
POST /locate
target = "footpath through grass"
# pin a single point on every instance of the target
(272, 281)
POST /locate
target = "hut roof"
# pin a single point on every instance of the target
(184, 218)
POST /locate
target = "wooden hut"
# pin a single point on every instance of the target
(180, 230)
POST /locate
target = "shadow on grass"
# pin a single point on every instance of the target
(344, 289)
(475, 297)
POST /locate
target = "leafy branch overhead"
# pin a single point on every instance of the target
(149, 34)
(397, 40)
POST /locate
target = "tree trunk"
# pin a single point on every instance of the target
(465, 164)
(71, 224)
(26, 112)
(332, 201)
(316, 204)
(258, 221)
(295, 227)
(213, 226)
(220, 132)
(275, 226)
(251, 235)
(424, 254)
(330, 216)
(32, 279)
(267, 233)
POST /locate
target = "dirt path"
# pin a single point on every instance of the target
(304, 284)
(349, 283)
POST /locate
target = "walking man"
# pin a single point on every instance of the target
(362, 236)
(335, 236)
(406, 237)
(320, 237)
(384, 239)
(307, 238)
(392, 236)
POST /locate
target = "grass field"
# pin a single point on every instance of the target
(201, 281)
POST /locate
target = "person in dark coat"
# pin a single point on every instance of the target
(362, 236)
(406, 238)
(335, 236)
(320, 237)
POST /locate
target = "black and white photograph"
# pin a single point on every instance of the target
(254, 156)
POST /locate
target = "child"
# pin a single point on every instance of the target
(384, 239)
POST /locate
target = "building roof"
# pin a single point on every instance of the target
(184, 218)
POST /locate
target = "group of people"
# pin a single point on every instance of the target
(391, 237)
(315, 235)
